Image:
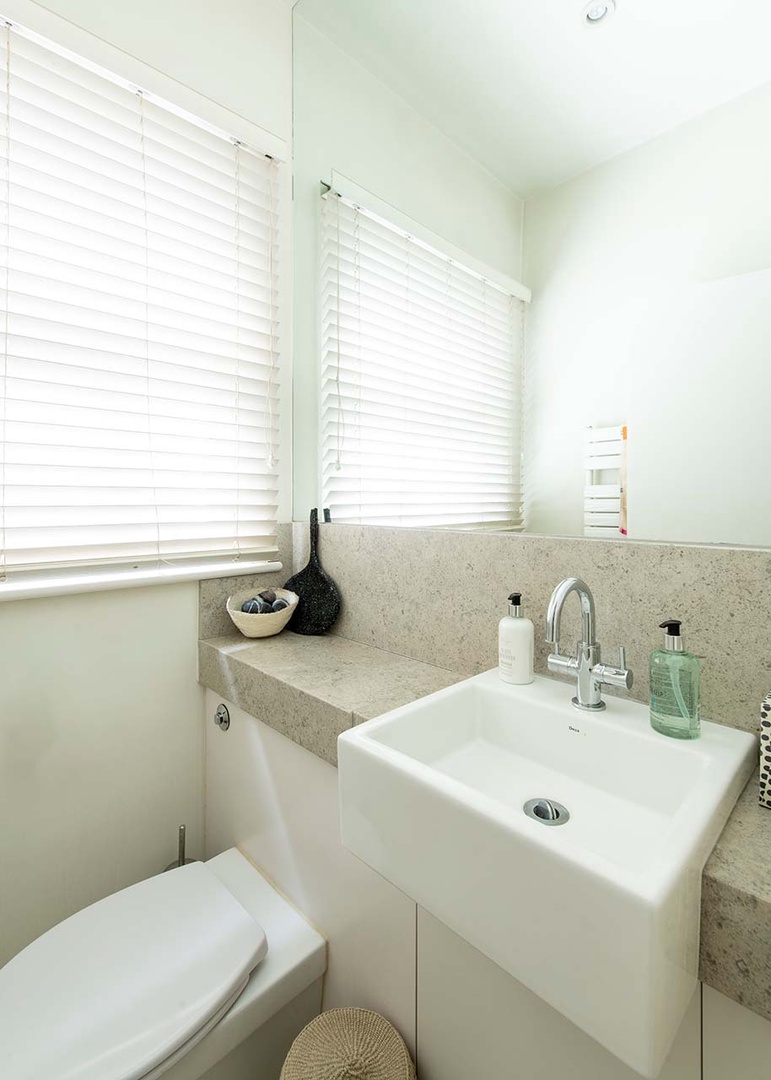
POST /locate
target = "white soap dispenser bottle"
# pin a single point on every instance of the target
(516, 637)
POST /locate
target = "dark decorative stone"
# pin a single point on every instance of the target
(319, 604)
(255, 607)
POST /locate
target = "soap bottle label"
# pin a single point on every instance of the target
(506, 658)
(515, 651)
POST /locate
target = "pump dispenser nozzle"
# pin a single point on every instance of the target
(673, 642)
(515, 605)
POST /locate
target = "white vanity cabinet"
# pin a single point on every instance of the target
(474, 1020)
(737, 1042)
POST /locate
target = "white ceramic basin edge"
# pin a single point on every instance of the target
(600, 916)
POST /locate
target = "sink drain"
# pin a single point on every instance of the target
(547, 811)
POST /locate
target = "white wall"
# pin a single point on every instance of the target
(101, 751)
(100, 711)
(651, 278)
(278, 803)
(346, 120)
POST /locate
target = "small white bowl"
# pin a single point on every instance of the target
(261, 625)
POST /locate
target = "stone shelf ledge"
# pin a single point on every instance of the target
(313, 688)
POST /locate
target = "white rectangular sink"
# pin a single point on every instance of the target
(598, 914)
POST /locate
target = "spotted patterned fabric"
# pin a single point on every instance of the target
(348, 1044)
(765, 751)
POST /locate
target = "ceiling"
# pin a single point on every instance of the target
(536, 95)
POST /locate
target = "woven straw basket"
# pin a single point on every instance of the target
(348, 1044)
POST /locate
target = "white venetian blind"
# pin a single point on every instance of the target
(139, 369)
(421, 381)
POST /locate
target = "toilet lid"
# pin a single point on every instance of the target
(116, 989)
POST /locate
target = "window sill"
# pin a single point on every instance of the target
(94, 581)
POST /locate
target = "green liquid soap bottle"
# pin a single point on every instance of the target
(674, 687)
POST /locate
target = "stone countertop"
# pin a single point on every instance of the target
(736, 907)
(312, 688)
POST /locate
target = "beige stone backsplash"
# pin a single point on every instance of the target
(213, 593)
(437, 596)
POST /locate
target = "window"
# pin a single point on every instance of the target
(139, 368)
(420, 381)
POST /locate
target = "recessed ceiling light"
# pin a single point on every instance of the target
(598, 11)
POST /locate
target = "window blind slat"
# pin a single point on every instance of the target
(434, 344)
(180, 261)
(420, 382)
(375, 293)
(172, 378)
(378, 398)
(381, 314)
(383, 288)
(139, 383)
(59, 337)
(492, 462)
(390, 240)
(121, 213)
(400, 360)
(167, 312)
(125, 281)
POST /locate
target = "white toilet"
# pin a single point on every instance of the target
(205, 971)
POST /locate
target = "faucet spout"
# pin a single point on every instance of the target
(556, 604)
(586, 666)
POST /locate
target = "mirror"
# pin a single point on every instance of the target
(618, 166)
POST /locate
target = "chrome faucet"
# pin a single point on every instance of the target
(585, 665)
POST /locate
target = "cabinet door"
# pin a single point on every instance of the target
(737, 1042)
(475, 1021)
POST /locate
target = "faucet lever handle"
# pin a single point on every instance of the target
(619, 676)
